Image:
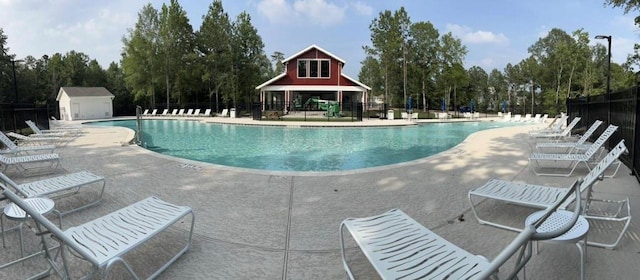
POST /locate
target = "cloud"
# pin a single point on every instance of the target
(467, 35)
(317, 12)
(362, 8)
(624, 22)
(320, 11)
(95, 28)
(275, 10)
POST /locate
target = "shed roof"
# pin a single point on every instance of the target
(84, 92)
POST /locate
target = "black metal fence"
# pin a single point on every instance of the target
(618, 108)
(13, 116)
(326, 110)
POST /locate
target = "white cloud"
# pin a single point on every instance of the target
(487, 63)
(624, 22)
(320, 11)
(620, 48)
(362, 8)
(275, 10)
(95, 28)
(317, 12)
(467, 35)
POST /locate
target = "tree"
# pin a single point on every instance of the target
(370, 74)
(387, 40)
(478, 86)
(451, 51)
(426, 46)
(250, 64)
(140, 56)
(277, 58)
(453, 78)
(6, 71)
(214, 44)
(95, 75)
(123, 103)
(551, 52)
(498, 87)
(176, 42)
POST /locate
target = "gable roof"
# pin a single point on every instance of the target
(355, 81)
(310, 48)
(84, 92)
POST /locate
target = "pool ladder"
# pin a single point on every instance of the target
(138, 137)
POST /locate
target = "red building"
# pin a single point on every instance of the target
(311, 76)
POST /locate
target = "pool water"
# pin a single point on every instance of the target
(280, 148)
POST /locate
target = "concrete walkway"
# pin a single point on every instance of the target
(284, 225)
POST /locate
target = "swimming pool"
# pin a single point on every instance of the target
(279, 148)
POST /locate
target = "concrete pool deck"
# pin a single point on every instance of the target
(277, 225)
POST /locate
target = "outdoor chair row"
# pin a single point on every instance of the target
(177, 113)
(538, 118)
(103, 242)
(399, 247)
(34, 154)
(563, 164)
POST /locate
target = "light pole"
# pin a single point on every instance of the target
(15, 81)
(532, 97)
(608, 73)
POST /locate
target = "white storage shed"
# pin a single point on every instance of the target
(84, 103)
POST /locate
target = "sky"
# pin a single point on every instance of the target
(495, 32)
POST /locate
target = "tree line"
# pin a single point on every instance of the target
(165, 63)
(412, 59)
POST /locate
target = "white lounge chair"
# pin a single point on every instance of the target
(153, 113)
(12, 148)
(61, 186)
(34, 140)
(181, 113)
(56, 124)
(196, 113)
(189, 113)
(37, 132)
(398, 247)
(45, 163)
(146, 112)
(571, 161)
(544, 118)
(207, 113)
(507, 117)
(404, 115)
(566, 132)
(538, 196)
(554, 126)
(105, 241)
(174, 113)
(580, 144)
(165, 112)
(225, 113)
(536, 118)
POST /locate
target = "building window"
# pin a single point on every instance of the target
(324, 68)
(302, 68)
(313, 68)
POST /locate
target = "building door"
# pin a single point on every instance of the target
(75, 111)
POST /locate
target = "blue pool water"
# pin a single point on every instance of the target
(301, 149)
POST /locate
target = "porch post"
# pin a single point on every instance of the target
(287, 100)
